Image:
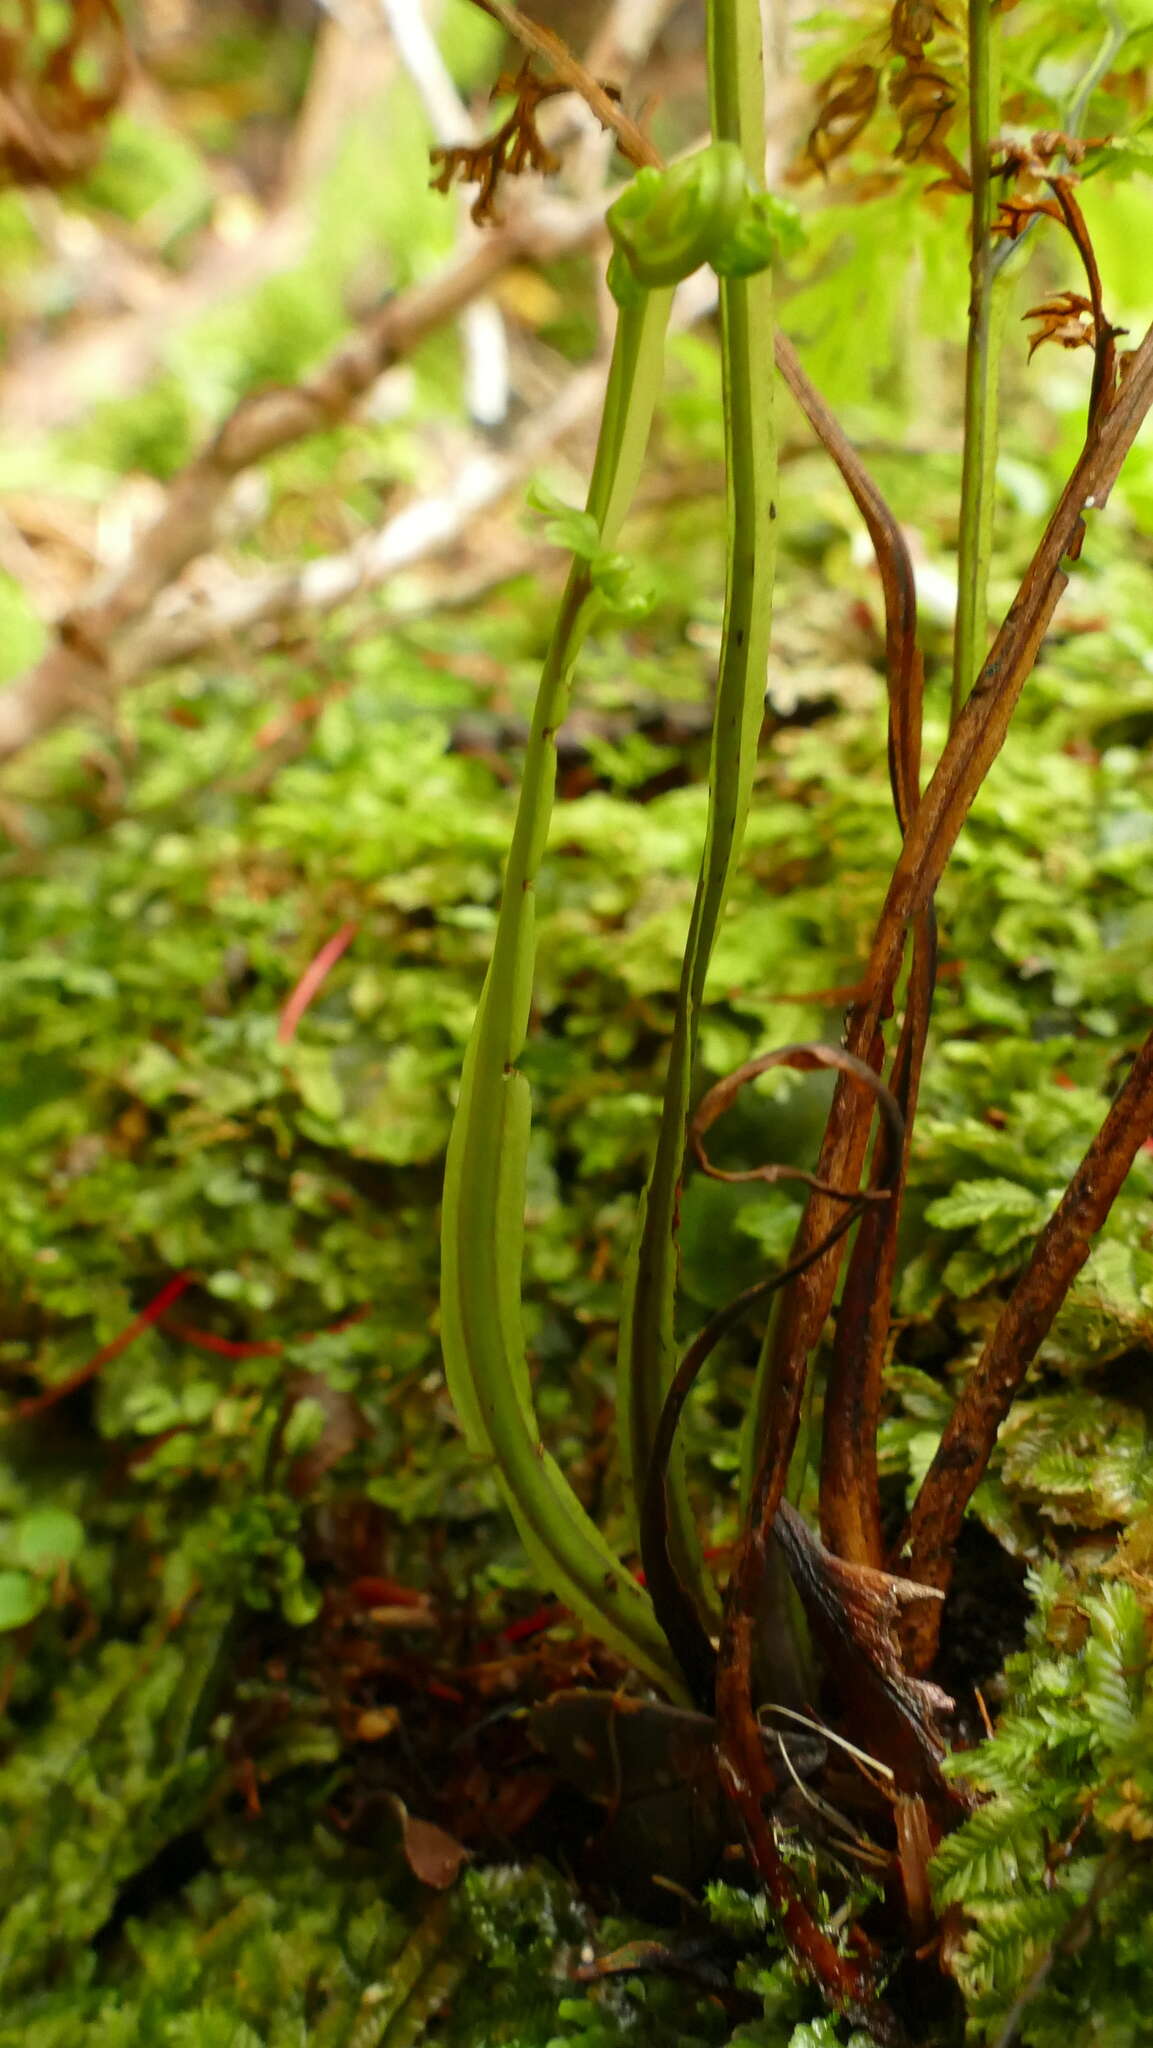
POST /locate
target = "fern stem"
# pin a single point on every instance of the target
(484, 1194)
(648, 1348)
(988, 306)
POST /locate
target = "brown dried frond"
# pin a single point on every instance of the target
(516, 147)
(1074, 322)
(912, 24)
(1044, 148)
(1031, 163)
(1014, 215)
(924, 102)
(55, 97)
(1066, 318)
(848, 100)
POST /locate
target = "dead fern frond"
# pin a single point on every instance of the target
(848, 102)
(516, 147)
(55, 96)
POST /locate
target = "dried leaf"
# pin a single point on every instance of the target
(1066, 318)
(516, 147)
(912, 24)
(924, 102)
(848, 102)
(432, 1854)
(51, 120)
(853, 1610)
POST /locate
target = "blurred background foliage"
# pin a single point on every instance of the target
(199, 1525)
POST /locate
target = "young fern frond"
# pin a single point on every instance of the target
(664, 226)
(484, 1194)
(648, 1342)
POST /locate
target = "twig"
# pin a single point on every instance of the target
(426, 528)
(541, 42)
(482, 327)
(850, 1495)
(180, 627)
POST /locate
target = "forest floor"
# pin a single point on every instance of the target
(295, 1748)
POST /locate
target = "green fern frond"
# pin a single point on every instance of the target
(1008, 1939)
(999, 1847)
(1116, 1659)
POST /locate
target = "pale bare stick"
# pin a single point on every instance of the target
(481, 325)
(81, 671)
(428, 527)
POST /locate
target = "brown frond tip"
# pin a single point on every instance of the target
(924, 103)
(848, 101)
(1067, 319)
(1014, 215)
(1038, 155)
(516, 147)
(912, 24)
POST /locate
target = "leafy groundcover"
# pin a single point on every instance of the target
(271, 1662)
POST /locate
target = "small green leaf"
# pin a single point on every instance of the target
(300, 1603)
(568, 526)
(627, 590)
(305, 1426)
(22, 1598)
(48, 1538)
(975, 1201)
(320, 1090)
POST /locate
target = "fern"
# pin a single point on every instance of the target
(1057, 1853)
(115, 1774)
(1116, 1660)
(998, 1847)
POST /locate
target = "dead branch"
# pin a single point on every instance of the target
(428, 527)
(632, 142)
(83, 669)
(180, 624)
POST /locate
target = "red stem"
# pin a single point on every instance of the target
(36, 1403)
(312, 981)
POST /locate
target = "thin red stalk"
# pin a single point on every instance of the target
(36, 1403)
(224, 1347)
(312, 981)
(850, 1498)
(903, 665)
(969, 752)
(267, 1347)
